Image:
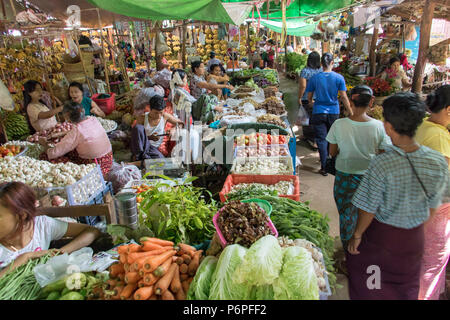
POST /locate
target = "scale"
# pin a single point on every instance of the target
(170, 167)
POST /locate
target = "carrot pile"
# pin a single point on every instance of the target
(154, 270)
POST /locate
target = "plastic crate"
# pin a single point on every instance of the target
(97, 199)
(107, 105)
(234, 179)
(223, 242)
(256, 150)
(85, 190)
(284, 162)
(82, 192)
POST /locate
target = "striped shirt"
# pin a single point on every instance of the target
(391, 191)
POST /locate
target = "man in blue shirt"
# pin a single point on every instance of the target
(326, 86)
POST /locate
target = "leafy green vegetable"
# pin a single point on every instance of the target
(122, 233)
(296, 62)
(296, 220)
(297, 280)
(200, 286)
(178, 213)
(223, 285)
(261, 264)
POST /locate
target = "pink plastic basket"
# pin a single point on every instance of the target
(223, 241)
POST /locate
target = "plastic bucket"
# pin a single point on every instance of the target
(107, 105)
(126, 209)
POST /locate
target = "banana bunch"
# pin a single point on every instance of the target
(16, 126)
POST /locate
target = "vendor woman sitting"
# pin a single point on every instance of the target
(86, 143)
(90, 107)
(148, 133)
(24, 235)
(40, 116)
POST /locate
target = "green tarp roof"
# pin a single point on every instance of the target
(295, 27)
(300, 8)
(203, 10)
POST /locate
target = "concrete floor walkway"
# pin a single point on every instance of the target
(315, 188)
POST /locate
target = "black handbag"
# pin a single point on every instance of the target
(330, 165)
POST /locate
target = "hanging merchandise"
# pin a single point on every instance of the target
(6, 101)
(222, 33)
(202, 38)
(162, 46)
(73, 49)
(410, 33)
(233, 31)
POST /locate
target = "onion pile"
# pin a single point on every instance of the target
(58, 129)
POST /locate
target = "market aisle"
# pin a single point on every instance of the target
(316, 189)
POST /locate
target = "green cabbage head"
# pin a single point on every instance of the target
(223, 286)
(297, 280)
(262, 263)
(200, 286)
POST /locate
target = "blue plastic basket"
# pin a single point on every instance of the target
(97, 199)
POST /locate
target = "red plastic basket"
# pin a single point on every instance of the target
(234, 179)
(107, 105)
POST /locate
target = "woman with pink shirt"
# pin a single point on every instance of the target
(86, 143)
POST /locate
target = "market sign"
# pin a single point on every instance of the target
(363, 15)
(440, 31)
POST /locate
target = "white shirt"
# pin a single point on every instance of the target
(46, 230)
(290, 49)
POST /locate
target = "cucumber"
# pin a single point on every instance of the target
(65, 291)
(55, 286)
(55, 295)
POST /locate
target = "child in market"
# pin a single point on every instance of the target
(25, 235)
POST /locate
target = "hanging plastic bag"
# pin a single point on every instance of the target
(6, 101)
(121, 174)
(302, 117)
(73, 49)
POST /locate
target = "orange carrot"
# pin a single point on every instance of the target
(179, 261)
(149, 245)
(157, 241)
(133, 248)
(150, 279)
(117, 293)
(153, 297)
(121, 276)
(184, 268)
(122, 249)
(193, 266)
(123, 258)
(126, 267)
(143, 293)
(167, 295)
(185, 285)
(141, 273)
(186, 258)
(115, 269)
(141, 283)
(154, 262)
(128, 291)
(183, 276)
(132, 277)
(111, 283)
(187, 249)
(175, 285)
(162, 269)
(132, 257)
(180, 295)
(164, 283)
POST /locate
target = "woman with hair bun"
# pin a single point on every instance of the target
(434, 134)
(24, 235)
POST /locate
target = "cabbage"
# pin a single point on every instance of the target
(260, 293)
(297, 280)
(262, 263)
(223, 287)
(199, 288)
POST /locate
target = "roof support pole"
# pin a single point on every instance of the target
(424, 45)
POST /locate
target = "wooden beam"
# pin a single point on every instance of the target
(183, 45)
(373, 47)
(424, 44)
